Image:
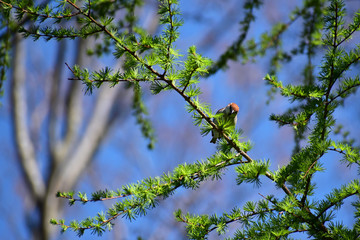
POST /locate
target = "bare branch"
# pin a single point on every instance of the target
(24, 143)
(55, 99)
(73, 109)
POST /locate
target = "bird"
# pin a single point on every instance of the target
(228, 112)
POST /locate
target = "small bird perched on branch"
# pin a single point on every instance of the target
(229, 112)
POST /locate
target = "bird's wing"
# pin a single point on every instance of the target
(221, 110)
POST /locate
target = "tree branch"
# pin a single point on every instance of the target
(55, 103)
(173, 86)
(24, 143)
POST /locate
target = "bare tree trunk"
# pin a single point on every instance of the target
(24, 144)
(74, 151)
(68, 149)
(71, 152)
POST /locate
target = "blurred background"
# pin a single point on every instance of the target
(57, 122)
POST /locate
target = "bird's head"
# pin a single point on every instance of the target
(233, 108)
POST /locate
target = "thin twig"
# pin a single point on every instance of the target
(39, 15)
